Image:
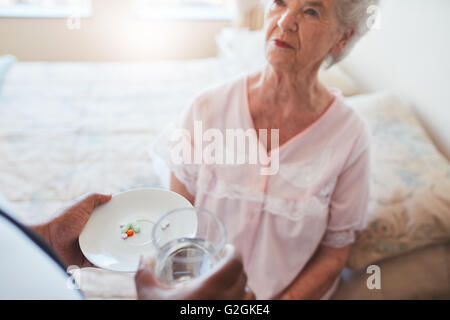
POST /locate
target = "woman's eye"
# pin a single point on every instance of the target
(312, 12)
(279, 2)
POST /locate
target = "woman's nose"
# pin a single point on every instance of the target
(288, 22)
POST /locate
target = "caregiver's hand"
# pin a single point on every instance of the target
(62, 232)
(227, 282)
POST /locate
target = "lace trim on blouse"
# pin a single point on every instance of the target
(339, 239)
(293, 209)
(196, 179)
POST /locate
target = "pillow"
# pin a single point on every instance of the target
(240, 44)
(336, 77)
(247, 48)
(410, 184)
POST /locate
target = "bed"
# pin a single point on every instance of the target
(72, 128)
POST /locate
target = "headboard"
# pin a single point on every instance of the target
(410, 55)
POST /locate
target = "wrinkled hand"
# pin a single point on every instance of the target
(62, 233)
(226, 282)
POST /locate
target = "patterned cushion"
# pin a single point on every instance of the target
(410, 184)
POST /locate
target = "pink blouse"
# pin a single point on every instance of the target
(319, 195)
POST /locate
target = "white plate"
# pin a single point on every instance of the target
(101, 241)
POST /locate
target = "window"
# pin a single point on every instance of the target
(45, 8)
(185, 9)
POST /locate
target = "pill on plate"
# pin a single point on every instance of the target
(135, 226)
(125, 227)
(130, 232)
(165, 225)
(124, 236)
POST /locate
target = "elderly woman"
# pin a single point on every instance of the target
(294, 228)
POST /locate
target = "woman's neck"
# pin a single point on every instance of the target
(298, 91)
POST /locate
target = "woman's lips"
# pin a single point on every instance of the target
(282, 44)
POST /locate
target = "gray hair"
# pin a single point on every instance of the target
(356, 15)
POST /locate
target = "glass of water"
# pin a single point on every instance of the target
(188, 242)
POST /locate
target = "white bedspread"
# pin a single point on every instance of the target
(71, 128)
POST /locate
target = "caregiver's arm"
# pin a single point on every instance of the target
(178, 187)
(319, 274)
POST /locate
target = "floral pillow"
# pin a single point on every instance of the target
(410, 184)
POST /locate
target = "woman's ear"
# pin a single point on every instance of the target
(342, 42)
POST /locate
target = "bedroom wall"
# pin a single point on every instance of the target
(112, 33)
(409, 54)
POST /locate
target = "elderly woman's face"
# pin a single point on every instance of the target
(301, 33)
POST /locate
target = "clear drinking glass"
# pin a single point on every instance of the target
(187, 243)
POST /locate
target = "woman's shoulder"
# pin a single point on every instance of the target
(356, 120)
(345, 129)
(355, 129)
(346, 117)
